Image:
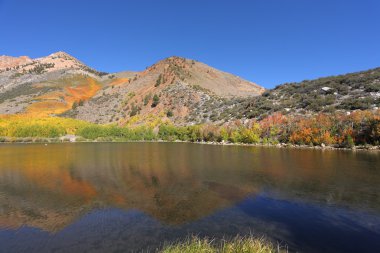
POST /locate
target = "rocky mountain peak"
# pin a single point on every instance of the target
(62, 55)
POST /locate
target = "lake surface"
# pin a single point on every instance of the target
(122, 197)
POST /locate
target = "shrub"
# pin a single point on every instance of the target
(156, 100)
(38, 130)
(169, 113)
(168, 132)
(75, 105)
(92, 132)
(135, 110)
(147, 98)
(349, 142)
(159, 80)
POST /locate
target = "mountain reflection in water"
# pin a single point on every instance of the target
(105, 197)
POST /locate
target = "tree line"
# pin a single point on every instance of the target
(338, 129)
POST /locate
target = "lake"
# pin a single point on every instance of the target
(122, 197)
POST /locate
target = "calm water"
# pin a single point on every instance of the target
(134, 196)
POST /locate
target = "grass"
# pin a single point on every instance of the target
(247, 244)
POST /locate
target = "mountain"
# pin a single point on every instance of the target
(15, 71)
(59, 84)
(45, 86)
(181, 90)
(175, 87)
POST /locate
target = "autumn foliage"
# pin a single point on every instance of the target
(338, 129)
(360, 126)
(71, 91)
(29, 126)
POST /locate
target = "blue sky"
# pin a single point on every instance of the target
(266, 41)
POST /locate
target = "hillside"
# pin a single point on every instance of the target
(59, 84)
(45, 86)
(176, 88)
(344, 93)
(181, 99)
(183, 91)
(17, 71)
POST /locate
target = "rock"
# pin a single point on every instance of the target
(326, 89)
(69, 137)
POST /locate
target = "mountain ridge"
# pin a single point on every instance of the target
(49, 81)
(180, 90)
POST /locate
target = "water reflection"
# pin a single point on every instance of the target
(133, 196)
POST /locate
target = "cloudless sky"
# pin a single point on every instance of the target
(266, 41)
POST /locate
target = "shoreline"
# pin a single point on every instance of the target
(36, 140)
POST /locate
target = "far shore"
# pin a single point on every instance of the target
(78, 139)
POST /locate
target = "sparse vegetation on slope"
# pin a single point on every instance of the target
(181, 86)
(346, 92)
(191, 103)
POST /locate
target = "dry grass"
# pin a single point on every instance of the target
(44, 108)
(247, 244)
(119, 81)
